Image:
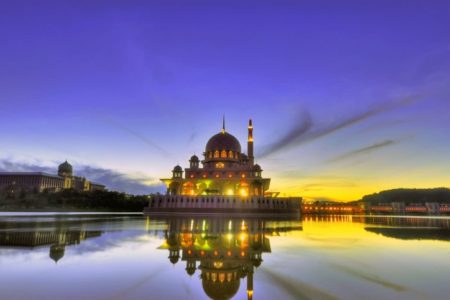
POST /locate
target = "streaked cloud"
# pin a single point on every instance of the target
(363, 150)
(135, 134)
(303, 131)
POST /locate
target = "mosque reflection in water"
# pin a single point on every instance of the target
(223, 251)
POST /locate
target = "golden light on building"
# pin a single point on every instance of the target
(250, 294)
(224, 164)
(243, 192)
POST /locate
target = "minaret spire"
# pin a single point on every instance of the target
(250, 142)
(223, 124)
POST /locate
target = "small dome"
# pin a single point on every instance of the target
(223, 141)
(177, 169)
(65, 169)
(57, 252)
(174, 259)
(257, 261)
(194, 158)
(257, 168)
(190, 271)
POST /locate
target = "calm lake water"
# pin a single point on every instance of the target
(128, 256)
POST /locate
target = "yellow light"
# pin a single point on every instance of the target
(230, 192)
(243, 236)
(218, 264)
(230, 225)
(147, 224)
(229, 253)
(243, 227)
(216, 252)
(243, 192)
(242, 253)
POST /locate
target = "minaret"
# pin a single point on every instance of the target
(250, 284)
(223, 124)
(250, 142)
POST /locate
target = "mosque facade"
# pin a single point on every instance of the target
(225, 181)
(223, 170)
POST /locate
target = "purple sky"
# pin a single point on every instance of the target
(347, 97)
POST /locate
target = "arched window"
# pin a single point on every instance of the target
(216, 154)
(223, 154)
(230, 154)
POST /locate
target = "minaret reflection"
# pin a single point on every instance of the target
(224, 251)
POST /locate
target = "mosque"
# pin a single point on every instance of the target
(227, 181)
(225, 170)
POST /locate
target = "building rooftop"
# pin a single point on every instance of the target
(29, 174)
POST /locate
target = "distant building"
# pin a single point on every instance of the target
(429, 208)
(39, 181)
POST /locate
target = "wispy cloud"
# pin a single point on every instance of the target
(303, 131)
(363, 150)
(112, 179)
(318, 186)
(139, 136)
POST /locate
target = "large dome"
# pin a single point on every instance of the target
(223, 141)
(220, 290)
(65, 169)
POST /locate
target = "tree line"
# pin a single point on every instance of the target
(439, 195)
(72, 199)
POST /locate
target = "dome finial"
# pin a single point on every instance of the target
(223, 124)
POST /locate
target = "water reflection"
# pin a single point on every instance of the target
(409, 228)
(226, 251)
(58, 240)
(24, 232)
(132, 257)
(399, 227)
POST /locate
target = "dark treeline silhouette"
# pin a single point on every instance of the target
(439, 195)
(73, 200)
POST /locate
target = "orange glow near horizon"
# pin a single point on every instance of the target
(350, 189)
